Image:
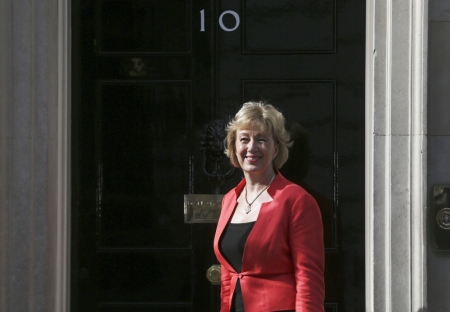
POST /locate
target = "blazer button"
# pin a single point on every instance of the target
(240, 276)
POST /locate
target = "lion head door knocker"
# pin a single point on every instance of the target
(134, 67)
(212, 145)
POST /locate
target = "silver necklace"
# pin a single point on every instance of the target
(249, 207)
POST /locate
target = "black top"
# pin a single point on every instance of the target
(232, 247)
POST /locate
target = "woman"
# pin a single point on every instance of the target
(269, 235)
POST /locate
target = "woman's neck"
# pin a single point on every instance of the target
(257, 182)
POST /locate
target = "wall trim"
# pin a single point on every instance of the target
(419, 191)
(62, 261)
(5, 145)
(396, 195)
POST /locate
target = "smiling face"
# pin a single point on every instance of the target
(255, 150)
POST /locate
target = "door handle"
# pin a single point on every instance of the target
(213, 274)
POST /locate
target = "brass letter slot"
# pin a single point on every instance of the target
(202, 208)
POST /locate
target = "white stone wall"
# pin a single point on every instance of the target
(396, 53)
(438, 142)
(33, 155)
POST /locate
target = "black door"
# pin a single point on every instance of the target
(147, 76)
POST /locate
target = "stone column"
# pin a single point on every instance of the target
(33, 155)
(396, 58)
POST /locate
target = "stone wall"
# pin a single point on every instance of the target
(30, 155)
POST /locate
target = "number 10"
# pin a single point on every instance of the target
(236, 17)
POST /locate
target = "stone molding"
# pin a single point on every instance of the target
(5, 97)
(34, 157)
(61, 275)
(396, 63)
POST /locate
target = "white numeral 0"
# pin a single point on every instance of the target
(236, 16)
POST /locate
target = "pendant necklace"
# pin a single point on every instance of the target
(249, 207)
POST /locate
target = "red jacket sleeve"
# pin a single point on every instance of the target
(307, 249)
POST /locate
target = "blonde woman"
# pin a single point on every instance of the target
(269, 235)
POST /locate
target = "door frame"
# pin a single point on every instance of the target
(59, 283)
(396, 92)
(396, 155)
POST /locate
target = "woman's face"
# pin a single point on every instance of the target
(255, 150)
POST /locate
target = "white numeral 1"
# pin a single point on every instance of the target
(202, 20)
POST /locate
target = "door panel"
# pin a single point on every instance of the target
(288, 26)
(140, 126)
(310, 104)
(318, 83)
(131, 277)
(146, 79)
(143, 309)
(144, 26)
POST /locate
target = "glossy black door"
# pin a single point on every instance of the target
(147, 75)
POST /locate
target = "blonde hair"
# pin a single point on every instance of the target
(268, 119)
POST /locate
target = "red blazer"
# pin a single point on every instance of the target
(283, 261)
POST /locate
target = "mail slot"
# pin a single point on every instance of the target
(202, 208)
